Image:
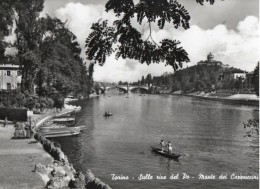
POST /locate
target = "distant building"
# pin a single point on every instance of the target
(211, 62)
(233, 73)
(10, 75)
(249, 81)
(239, 75)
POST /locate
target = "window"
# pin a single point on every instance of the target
(8, 73)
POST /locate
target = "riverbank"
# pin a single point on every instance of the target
(18, 158)
(240, 99)
(27, 163)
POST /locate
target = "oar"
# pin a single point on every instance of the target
(178, 151)
(181, 152)
(78, 122)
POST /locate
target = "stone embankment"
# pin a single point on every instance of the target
(61, 173)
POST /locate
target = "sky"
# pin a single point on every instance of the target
(229, 29)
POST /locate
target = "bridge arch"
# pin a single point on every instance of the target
(141, 88)
(124, 89)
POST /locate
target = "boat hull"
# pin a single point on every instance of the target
(165, 153)
(58, 135)
(63, 120)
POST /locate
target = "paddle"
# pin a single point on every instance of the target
(78, 122)
(181, 152)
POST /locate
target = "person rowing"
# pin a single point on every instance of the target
(169, 145)
(162, 145)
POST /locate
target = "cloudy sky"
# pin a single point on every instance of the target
(228, 29)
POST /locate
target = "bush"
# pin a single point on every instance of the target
(14, 99)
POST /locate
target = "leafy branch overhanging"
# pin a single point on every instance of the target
(128, 40)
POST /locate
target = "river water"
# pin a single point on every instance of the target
(208, 134)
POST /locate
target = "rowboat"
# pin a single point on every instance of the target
(60, 132)
(60, 120)
(108, 114)
(62, 116)
(55, 135)
(165, 153)
(59, 127)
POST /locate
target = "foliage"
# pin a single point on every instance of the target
(6, 21)
(17, 99)
(127, 42)
(196, 78)
(48, 53)
(29, 34)
(256, 79)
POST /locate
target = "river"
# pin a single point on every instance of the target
(209, 135)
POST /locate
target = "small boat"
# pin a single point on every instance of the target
(108, 114)
(55, 135)
(165, 153)
(51, 133)
(60, 120)
(59, 128)
(62, 116)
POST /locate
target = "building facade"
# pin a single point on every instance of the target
(10, 77)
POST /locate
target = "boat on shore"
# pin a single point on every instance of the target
(165, 153)
(61, 132)
(60, 127)
(62, 120)
(63, 116)
(55, 135)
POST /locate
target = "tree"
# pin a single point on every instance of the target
(6, 22)
(148, 79)
(48, 53)
(127, 42)
(256, 79)
(29, 35)
(61, 68)
(142, 81)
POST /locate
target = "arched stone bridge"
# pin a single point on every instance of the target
(127, 88)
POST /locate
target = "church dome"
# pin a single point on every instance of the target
(210, 56)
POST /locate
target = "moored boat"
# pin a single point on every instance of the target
(165, 153)
(62, 132)
(55, 135)
(62, 116)
(60, 120)
(59, 128)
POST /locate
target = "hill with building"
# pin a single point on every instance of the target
(208, 75)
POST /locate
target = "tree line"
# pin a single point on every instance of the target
(200, 78)
(47, 52)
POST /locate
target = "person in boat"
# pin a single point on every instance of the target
(162, 145)
(169, 145)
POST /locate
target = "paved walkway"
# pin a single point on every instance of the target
(18, 158)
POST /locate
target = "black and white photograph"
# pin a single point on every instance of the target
(129, 94)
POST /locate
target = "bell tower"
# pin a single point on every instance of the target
(210, 57)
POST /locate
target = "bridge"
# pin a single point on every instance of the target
(101, 87)
(128, 88)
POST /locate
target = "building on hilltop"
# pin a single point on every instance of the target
(211, 62)
(10, 74)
